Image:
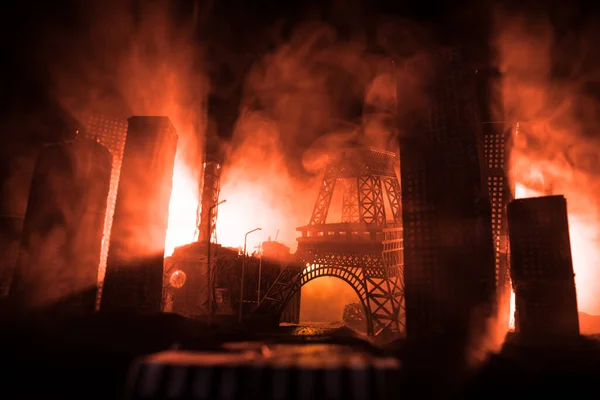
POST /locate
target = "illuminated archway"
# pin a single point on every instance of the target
(355, 281)
(324, 300)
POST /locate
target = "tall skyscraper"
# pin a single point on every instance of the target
(110, 132)
(62, 232)
(497, 137)
(134, 272)
(448, 252)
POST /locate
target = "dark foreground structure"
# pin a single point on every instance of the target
(93, 357)
(542, 270)
(11, 229)
(134, 272)
(188, 296)
(63, 228)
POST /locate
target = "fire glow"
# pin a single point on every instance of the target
(582, 233)
(560, 120)
(251, 203)
(249, 206)
(182, 208)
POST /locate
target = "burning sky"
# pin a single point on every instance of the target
(549, 85)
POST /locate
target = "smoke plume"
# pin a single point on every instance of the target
(549, 85)
(128, 62)
(314, 94)
(309, 92)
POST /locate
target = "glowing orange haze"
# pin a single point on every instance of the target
(249, 205)
(182, 208)
(259, 194)
(583, 231)
(560, 119)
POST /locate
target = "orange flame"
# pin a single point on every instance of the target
(259, 194)
(582, 232)
(556, 149)
(182, 208)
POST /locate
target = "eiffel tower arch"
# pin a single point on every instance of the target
(364, 249)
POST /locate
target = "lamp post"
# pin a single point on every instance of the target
(243, 273)
(259, 276)
(209, 269)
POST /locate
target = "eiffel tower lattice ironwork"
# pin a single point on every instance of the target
(364, 249)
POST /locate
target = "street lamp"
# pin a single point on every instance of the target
(209, 280)
(243, 273)
(259, 276)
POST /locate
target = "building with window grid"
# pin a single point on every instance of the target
(496, 139)
(110, 132)
(542, 269)
(448, 252)
(134, 270)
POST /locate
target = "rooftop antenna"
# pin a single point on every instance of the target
(277, 234)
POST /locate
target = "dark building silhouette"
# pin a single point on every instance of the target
(191, 299)
(16, 171)
(111, 132)
(448, 251)
(11, 229)
(497, 137)
(134, 272)
(63, 227)
(542, 269)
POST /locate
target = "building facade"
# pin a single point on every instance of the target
(110, 132)
(448, 247)
(542, 269)
(497, 137)
(134, 272)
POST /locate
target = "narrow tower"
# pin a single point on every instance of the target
(134, 272)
